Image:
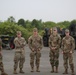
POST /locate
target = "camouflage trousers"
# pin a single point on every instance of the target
(66, 57)
(19, 58)
(1, 64)
(54, 58)
(35, 56)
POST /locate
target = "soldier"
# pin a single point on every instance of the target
(1, 63)
(54, 44)
(68, 45)
(19, 52)
(35, 44)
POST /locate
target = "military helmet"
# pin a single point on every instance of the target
(35, 30)
(18, 32)
(67, 30)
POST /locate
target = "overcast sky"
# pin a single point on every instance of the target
(47, 10)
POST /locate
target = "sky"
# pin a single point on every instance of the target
(47, 10)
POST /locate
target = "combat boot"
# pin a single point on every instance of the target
(56, 70)
(37, 69)
(15, 72)
(72, 69)
(3, 73)
(52, 69)
(32, 69)
(72, 72)
(66, 71)
(21, 71)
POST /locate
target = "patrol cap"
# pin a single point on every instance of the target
(54, 29)
(18, 32)
(35, 30)
(67, 30)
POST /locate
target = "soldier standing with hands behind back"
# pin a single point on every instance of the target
(54, 44)
(68, 45)
(35, 44)
(19, 52)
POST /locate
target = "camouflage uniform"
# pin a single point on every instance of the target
(68, 44)
(54, 42)
(1, 63)
(35, 44)
(19, 53)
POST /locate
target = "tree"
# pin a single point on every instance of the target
(8, 28)
(35, 23)
(21, 22)
(49, 24)
(64, 24)
(73, 22)
(11, 19)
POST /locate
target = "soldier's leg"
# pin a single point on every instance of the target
(51, 55)
(65, 58)
(56, 60)
(38, 55)
(16, 60)
(21, 63)
(2, 69)
(71, 63)
(32, 54)
(1, 66)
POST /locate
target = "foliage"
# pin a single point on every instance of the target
(21, 22)
(10, 26)
(11, 19)
(73, 22)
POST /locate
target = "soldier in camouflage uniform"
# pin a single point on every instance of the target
(54, 44)
(35, 44)
(19, 52)
(1, 63)
(68, 45)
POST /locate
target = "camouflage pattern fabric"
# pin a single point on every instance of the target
(1, 63)
(68, 44)
(19, 52)
(54, 42)
(35, 44)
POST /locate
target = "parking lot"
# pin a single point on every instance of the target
(45, 67)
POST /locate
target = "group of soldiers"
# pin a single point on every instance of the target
(35, 42)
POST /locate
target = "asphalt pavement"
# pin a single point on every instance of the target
(45, 67)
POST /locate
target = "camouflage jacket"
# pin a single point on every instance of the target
(19, 42)
(68, 44)
(35, 42)
(54, 41)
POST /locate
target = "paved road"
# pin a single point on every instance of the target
(45, 67)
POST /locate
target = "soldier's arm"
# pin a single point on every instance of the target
(73, 45)
(30, 42)
(62, 44)
(16, 42)
(59, 42)
(24, 42)
(41, 43)
(49, 42)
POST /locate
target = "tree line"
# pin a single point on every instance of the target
(10, 26)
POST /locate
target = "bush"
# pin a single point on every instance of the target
(8, 28)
